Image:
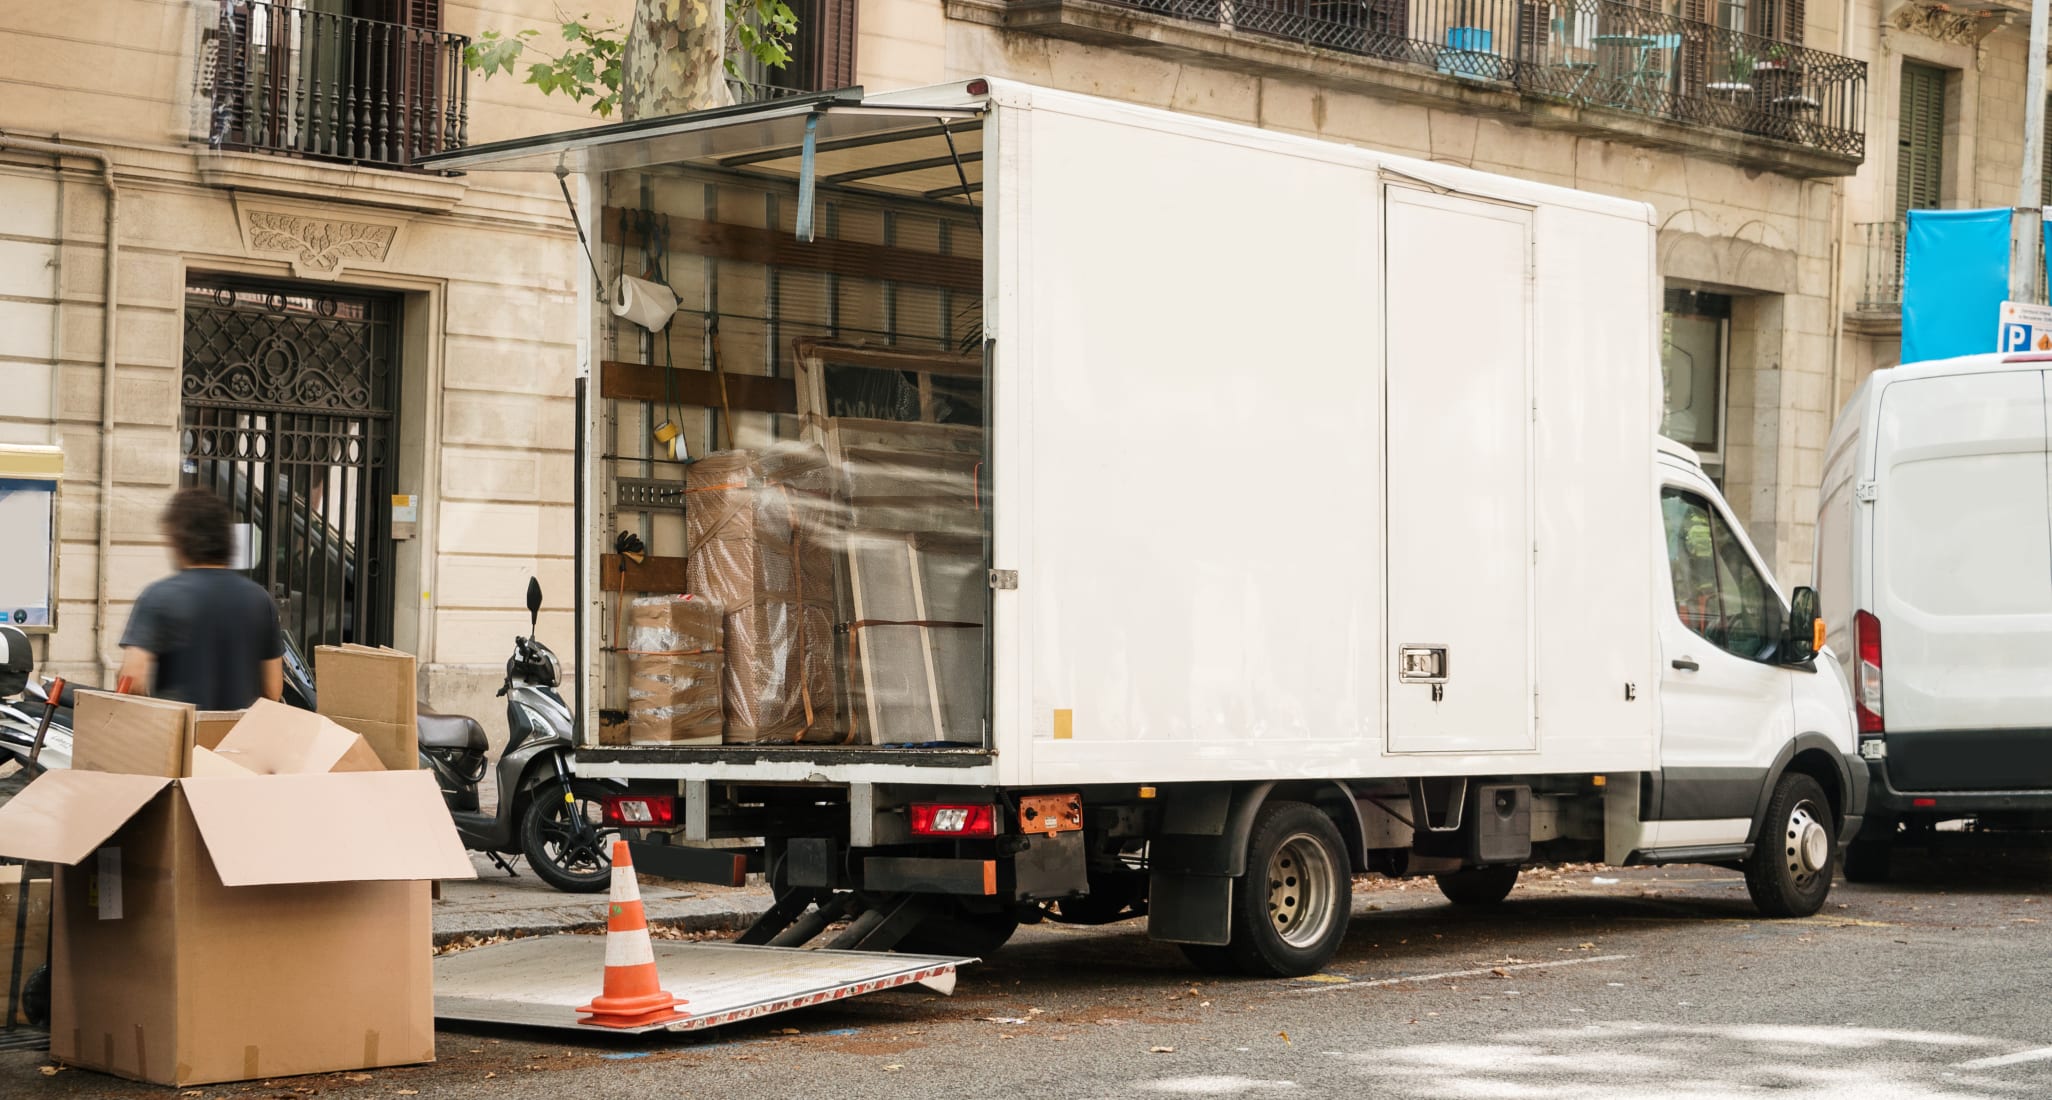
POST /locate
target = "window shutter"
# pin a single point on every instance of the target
(1920, 139)
(826, 44)
(1792, 15)
(1535, 27)
(2045, 149)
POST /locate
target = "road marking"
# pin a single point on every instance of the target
(1474, 973)
(2041, 1054)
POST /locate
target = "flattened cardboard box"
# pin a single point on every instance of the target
(233, 925)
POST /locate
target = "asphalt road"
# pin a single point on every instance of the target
(1585, 986)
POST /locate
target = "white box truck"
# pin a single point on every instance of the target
(1116, 512)
(1934, 558)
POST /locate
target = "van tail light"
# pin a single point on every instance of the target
(641, 810)
(949, 820)
(1867, 674)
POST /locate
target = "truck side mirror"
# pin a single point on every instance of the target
(1805, 628)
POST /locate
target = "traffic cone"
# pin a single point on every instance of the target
(633, 995)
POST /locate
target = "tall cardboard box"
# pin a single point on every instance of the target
(266, 916)
(374, 693)
(24, 935)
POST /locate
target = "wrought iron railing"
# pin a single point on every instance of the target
(1881, 287)
(1593, 52)
(335, 87)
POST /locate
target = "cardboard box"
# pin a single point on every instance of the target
(131, 735)
(33, 922)
(674, 667)
(264, 915)
(374, 693)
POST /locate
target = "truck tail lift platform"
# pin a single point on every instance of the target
(540, 982)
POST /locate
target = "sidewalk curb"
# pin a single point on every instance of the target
(730, 919)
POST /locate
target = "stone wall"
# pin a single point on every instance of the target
(486, 263)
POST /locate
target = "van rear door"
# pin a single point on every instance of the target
(1962, 578)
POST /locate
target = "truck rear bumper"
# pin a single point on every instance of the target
(1889, 798)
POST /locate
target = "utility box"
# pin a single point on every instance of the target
(1501, 828)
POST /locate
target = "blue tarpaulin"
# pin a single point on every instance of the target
(1955, 278)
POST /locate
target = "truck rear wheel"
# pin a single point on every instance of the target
(1479, 885)
(1290, 909)
(1789, 872)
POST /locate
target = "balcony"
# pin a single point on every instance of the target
(1881, 286)
(332, 87)
(1592, 66)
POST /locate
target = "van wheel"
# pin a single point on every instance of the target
(1290, 909)
(1479, 885)
(1789, 872)
(1867, 857)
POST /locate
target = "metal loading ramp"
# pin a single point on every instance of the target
(540, 982)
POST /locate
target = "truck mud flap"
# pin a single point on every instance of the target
(540, 982)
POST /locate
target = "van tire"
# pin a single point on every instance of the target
(1290, 909)
(1789, 872)
(1479, 885)
(1867, 857)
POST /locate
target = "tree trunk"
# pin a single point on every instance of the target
(674, 60)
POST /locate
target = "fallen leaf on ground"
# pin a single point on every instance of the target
(787, 1031)
(52, 1071)
(407, 1092)
(1500, 972)
(893, 1067)
(489, 1076)
(1161, 1050)
(1285, 1036)
(356, 1077)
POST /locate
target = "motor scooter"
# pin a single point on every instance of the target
(545, 811)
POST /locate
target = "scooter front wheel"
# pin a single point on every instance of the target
(565, 839)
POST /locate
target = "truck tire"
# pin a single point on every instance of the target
(1290, 910)
(1789, 872)
(1479, 885)
(1867, 857)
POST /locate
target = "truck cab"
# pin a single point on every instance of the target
(1745, 699)
(1934, 558)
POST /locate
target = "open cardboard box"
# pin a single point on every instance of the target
(253, 910)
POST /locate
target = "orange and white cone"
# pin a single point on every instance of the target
(633, 995)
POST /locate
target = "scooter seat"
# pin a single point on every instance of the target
(450, 731)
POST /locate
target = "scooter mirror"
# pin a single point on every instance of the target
(533, 604)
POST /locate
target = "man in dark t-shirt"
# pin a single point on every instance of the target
(204, 635)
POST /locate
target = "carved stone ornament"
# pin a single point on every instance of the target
(318, 246)
(1935, 21)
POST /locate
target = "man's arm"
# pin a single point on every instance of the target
(274, 679)
(137, 666)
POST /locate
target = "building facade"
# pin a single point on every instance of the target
(300, 320)
(1947, 107)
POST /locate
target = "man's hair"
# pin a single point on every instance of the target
(198, 523)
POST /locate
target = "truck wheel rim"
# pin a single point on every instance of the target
(1806, 845)
(1300, 890)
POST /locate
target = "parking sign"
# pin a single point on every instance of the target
(2024, 327)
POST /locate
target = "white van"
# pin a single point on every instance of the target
(1189, 516)
(1934, 561)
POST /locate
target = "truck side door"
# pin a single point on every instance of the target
(1725, 705)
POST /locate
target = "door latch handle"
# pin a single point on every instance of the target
(1685, 664)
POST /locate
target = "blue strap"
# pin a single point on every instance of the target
(805, 177)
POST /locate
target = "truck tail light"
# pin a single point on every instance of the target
(1867, 674)
(641, 810)
(949, 820)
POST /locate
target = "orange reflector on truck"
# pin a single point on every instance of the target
(1051, 813)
